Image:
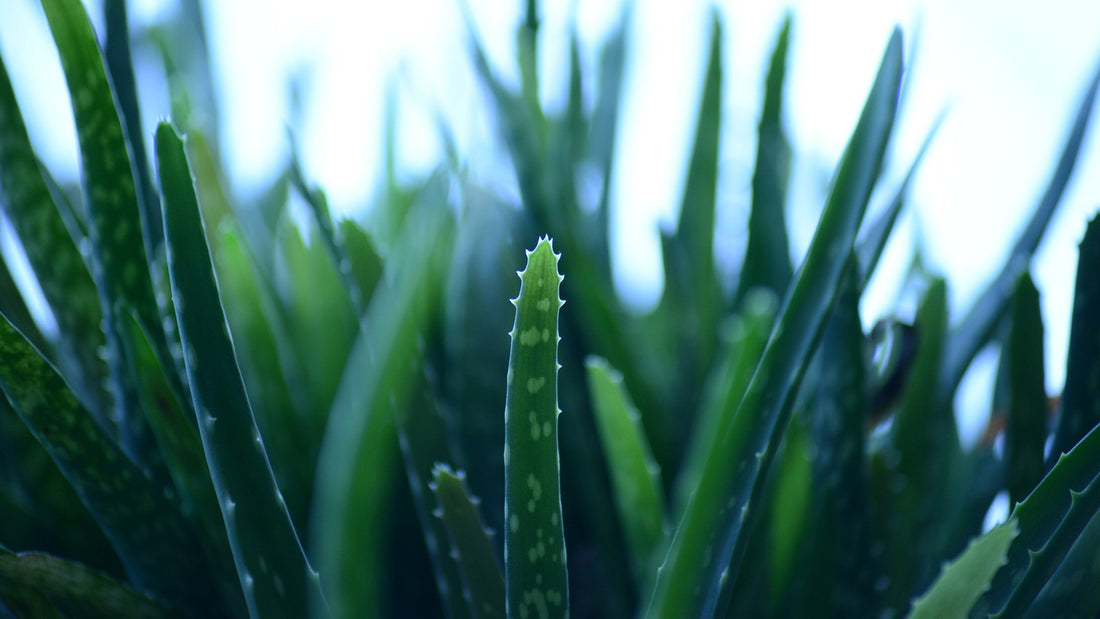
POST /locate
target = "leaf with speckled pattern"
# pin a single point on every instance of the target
(274, 573)
(484, 583)
(706, 552)
(64, 278)
(534, 540)
(77, 590)
(119, 259)
(147, 530)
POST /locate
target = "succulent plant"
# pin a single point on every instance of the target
(244, 413)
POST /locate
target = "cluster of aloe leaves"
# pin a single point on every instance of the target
(243, 413)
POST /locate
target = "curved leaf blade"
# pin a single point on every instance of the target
(711, 539)
(272, 567)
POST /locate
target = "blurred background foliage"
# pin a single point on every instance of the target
(371, 347)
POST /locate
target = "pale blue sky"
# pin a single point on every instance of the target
(1010, 73)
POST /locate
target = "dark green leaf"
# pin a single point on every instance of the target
(472, 542)
(376, 381)
(275, 576)
(146, 528)
(768, 256)
(710, 542)
(1027, 402)
(81, 592)
(1081, 397)
(975, 329)
(62, 275)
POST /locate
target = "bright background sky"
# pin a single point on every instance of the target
(1010, 74)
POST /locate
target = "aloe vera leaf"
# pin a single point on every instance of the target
(872, 242)
(706, 552)
(971, 334)
(42, 510)
(924, 445)
(422, 436)
(481, 279)
(264, 356)
(377, 380)
(364, 261)
(179, 442)
(120, 67)
(963, 580)
(484, 591)
(1051, 519)
(534, 542)
(318, 206)
(1081, 396)
(1069, 591)
(15, 309)
(72, 213)
(213, 198)
(120, 263)
(527, 57)
(146, 529)
(17, 601)
(768, 255)
(320, 319)
(636, 480)
(749, 330)
(59, 268)
(1027, 408)
(76, 590)
(840, 569)
(275, 575)
(690, 252)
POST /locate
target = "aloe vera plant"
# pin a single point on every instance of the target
(247, 412)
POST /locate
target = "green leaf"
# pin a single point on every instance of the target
(422, 435)
(963, 580)
(872, 242)
(768, 255)
(689, 259)
(181, 447)
(1069, 591)
(478, 564)
(534, 540)
(78, 591)
(1051, 520)
(840, 569)
(376, 381)
(147, 530)
(59, 268)
(636, 479)
(924, 447)
(748, 334)
(275, 576)
(121, 265)
(711, 539)
(1027, 406)
(973, 332)
(116, 52)
(1081, 396)
(268, 363)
